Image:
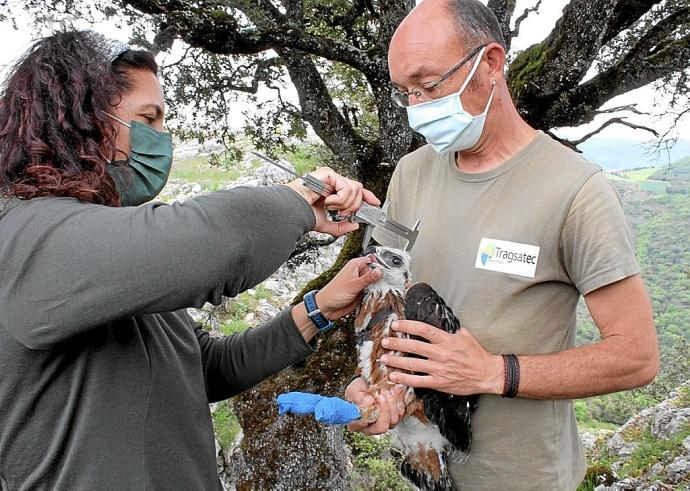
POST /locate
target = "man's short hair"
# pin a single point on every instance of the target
(475, 23)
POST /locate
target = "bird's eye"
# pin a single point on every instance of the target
(397, 261)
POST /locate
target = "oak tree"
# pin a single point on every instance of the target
(333, 54)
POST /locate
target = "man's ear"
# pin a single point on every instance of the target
(495, 56)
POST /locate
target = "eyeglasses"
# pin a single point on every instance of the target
(427, 90)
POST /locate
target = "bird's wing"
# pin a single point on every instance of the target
(449, 412)
(422, 303)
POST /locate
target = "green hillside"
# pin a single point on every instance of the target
(676, 175)
(640, 174)
(660, 221)
(663, 244)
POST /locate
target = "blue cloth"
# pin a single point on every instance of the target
(297, 402)
(328, 410)
(336, 411)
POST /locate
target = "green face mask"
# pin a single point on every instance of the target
(148, 167)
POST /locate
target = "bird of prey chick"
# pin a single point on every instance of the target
(434, 423)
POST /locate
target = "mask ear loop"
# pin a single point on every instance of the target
(474, 69)
(491, 97)
(118, 120)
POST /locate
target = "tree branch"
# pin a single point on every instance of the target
(184, 57)
(659, 33)
(356, 10)
(637, 69)
(676, 120)
(357, 19)
(318, 109)
(609, 123)
(295, 10)
(629, 107)
(220, 32)
(554, 100)
(261, 74)
(681, 88)
(287, 107)
(503, 9)
(561, 61)
(516, 30)
(625, 14)
(391, 14)
(573, 44)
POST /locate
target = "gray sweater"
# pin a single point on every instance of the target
(105, 380)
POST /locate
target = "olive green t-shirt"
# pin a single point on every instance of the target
(511, 250)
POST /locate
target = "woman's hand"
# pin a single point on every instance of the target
(342, 294)
(339, 297)
(347, 198)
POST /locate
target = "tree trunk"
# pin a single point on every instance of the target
(293, 452)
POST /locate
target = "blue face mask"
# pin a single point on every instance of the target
(444, 123)
(148, 166)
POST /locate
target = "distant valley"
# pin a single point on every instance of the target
(616, 153)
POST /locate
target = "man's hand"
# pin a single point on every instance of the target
(454, 363)
(347, 198)
(626, 357)
(391, 410)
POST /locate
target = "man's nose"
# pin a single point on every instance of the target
(413, 99)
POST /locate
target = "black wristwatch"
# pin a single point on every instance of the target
(314, 313)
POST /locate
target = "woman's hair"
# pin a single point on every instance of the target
(55, 136)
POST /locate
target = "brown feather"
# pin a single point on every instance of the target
(379, 379)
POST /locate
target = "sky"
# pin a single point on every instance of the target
(534, 29)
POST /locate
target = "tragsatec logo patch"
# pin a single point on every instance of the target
(507, 257)
(488, 252)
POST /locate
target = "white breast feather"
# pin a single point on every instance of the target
(411, 433)
(365, 359)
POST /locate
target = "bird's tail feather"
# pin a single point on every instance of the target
(435, 479)
(452, 414)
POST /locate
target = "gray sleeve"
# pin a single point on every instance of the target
(69, 266)
(596, 247)
(233, 364)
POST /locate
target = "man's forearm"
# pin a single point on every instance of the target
(585, 371)
(627, 356)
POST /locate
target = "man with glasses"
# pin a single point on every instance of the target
(514, 228)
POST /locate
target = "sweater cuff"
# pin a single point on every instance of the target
(302, 207)
(298, 346)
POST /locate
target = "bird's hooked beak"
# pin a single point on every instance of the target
(375, 261)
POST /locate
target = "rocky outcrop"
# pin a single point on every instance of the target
(652, 450)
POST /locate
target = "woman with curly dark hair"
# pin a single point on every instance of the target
(105, 378)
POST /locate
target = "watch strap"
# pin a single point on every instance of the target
(314, 313)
